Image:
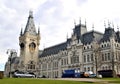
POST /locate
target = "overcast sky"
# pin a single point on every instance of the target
(55, 19)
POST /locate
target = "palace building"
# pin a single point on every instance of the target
(84, 51)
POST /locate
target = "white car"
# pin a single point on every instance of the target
(23, 75)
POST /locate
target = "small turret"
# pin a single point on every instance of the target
(30, 14)
(21, 33)
(39, 30)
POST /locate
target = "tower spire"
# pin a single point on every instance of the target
(21, 32)
(38, 29)
(104, 24)
(30, 13)
(85, 22)
(117, 27)
(67, 36)
(108, 23)
(30, 26)
(93, 26)
(113, 25)
(80, 21)
(74, 22)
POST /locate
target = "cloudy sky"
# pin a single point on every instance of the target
(55, 19)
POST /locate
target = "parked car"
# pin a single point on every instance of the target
(92, 75)
(118, 75)
(23, 75)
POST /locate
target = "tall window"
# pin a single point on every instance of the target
(84, 58)
(84, 68)
(108, 56)
(105, 57)
(74, 59)
(32, 46)
(102, 57)
(91, 57)
(88, 58)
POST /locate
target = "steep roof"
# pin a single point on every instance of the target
(30, 26)
(79, 30)
(54, 49)
(118, 35)
(109, 32)
(88, 37)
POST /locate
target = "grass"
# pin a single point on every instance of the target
(48, 81)
(112, 80)
(39, 81)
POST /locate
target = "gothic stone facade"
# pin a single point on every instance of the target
(85, 50)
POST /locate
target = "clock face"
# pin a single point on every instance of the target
(32, 46)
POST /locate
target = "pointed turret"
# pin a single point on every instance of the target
(104, 24)
(80, 21)
(30, 26)
(39, 30)
(21, 33)
(93, 27)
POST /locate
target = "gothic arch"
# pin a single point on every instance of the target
(22, 45)
(32, 46)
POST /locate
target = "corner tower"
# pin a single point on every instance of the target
(29, 46)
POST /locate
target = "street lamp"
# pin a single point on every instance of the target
(10, 52)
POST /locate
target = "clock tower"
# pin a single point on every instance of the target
(29, 46)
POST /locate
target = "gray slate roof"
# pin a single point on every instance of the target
(54, 49)
(88, 37)
(30, 26)
(109, 32)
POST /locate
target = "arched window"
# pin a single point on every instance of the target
(22, 46)
(32, 46)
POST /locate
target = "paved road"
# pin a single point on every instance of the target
(83, 79)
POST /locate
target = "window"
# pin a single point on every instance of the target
(74, 59)
(84, 58)
(117, 45)
(91, 46)
(92, 69)
(88, 58)
(87, 47)
(22, 46)
(84, 48)
(105, 57)
(105, 45)
(32, 46)
(62, 62)
(102, 57)
(91, 57)
(88, 68)
(84, 68)
(102, 46)
(108, 56)
(103, 67)
(108, 45)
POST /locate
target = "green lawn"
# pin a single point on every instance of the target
(112, 80)
(39, 81)
(48, 81)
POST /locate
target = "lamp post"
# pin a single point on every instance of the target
(10, 52)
